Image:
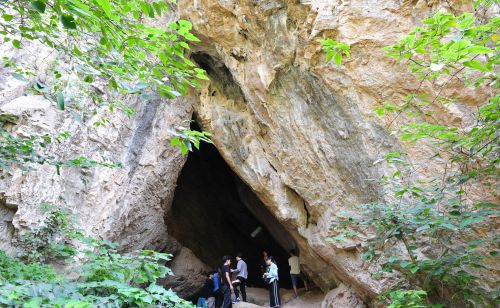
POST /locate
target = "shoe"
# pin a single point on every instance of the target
(237, 300)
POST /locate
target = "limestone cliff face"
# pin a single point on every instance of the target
(123, 204)
(299, 132)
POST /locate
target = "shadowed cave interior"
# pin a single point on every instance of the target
(214, 213)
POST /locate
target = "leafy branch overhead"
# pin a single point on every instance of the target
(185, 139)
(102, 42)
(109, 40)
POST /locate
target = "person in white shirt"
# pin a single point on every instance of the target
(295, 272)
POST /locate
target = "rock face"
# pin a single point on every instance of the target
(123, 204)
(342, 296)
(297, 131)
(301, 133)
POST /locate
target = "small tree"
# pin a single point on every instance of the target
(436, 213)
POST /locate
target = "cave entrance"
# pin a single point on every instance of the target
(214, 213)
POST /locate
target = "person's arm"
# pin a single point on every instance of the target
(229, 280)
(238, 267)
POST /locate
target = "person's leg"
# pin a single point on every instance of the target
(202, 302)
(274, 294)
(294, 283)
(211, 302)
(277, 293)
(304, 279)
(236, 292)
(271, 295)
(227, 297)
(243, 289)
(218, 299)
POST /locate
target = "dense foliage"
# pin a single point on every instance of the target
(107, 39)
(109, 47)
(430, 229)
(101, 276)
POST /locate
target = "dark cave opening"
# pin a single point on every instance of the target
(214, 213)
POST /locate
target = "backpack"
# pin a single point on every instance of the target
(216, 282)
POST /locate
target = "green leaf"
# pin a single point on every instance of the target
(39, 6)
(422, 228)
(18, 76)
(40, 87)
(7, 17)
(106, 7)
(476, 65)
(184, 24)
(68, 21)
(414, 268)
(477, 49)
(486, 205)
(455, 213)
(471, 220)
(16, 44)
(337, 58)
(60, 101)
(190, 37)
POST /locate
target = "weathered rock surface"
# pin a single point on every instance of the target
(123, 204)
(299, 132)
(126, 205)
(189, 272)
(342, 296)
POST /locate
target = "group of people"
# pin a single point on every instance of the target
(219, 286)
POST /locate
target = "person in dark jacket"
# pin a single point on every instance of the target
(207, 295)
(227, 285)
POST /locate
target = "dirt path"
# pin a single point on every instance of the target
(310, 299)
(258, 298)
